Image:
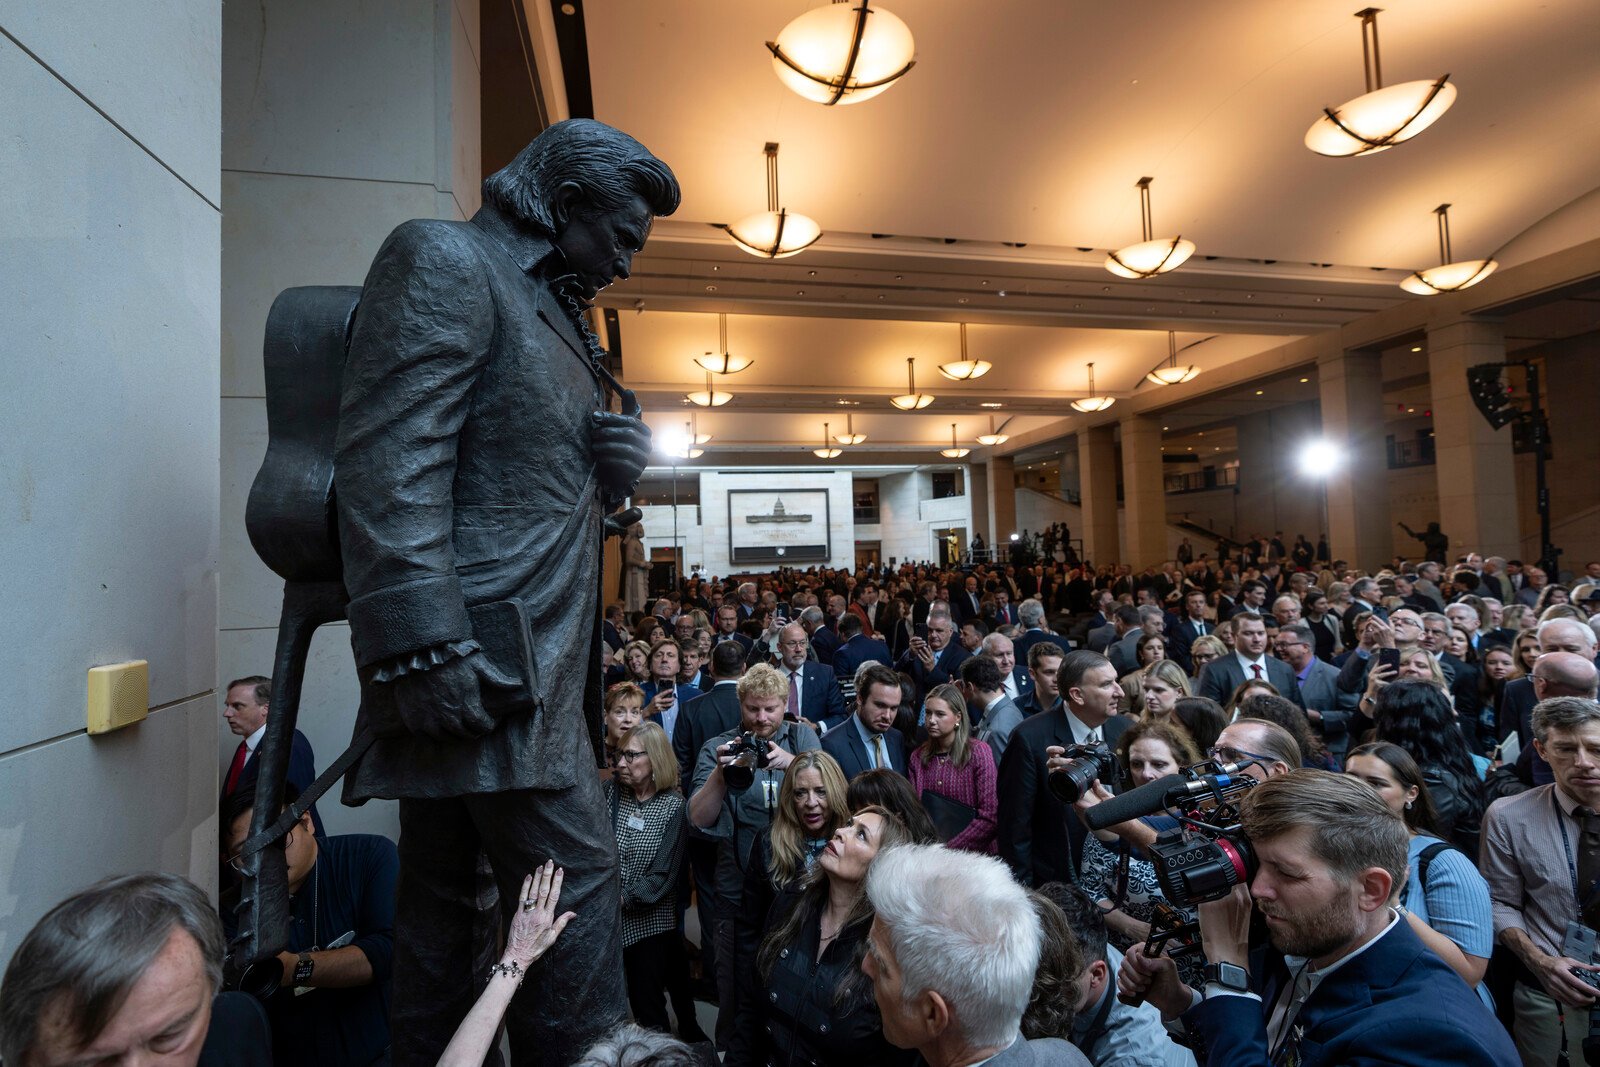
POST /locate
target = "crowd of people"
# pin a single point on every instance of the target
(877, 792)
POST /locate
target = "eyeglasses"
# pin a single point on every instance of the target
(236, 861)
(631, 754)
(1228, 754)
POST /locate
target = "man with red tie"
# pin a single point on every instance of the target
(245, 710)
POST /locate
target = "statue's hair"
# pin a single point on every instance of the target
(608, 166)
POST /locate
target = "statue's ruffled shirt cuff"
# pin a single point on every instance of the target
(425, 660)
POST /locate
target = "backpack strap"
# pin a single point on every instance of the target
(1426, 858)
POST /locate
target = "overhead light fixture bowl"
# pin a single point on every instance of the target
(1449, 278)
(1379, 120)
(843, 53)
(1149, 258)
(993, 438)
(1171, 375)
(964, 370)
(723, 363)
(775, 234)
(1091, 404)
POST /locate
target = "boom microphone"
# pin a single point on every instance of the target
(1156, 796)
(1146, 799)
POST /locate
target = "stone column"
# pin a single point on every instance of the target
(1351, 388)
(1143, 491)
(1097, 477)
(1474, 463)
(978, 503)
(1002, 478)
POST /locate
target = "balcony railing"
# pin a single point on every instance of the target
(866, 514)
(1413, 452)
(1200, 481)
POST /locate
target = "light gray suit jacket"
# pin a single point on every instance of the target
(1040, 1052)
(999, 719)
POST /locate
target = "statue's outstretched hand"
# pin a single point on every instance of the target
(443, 703)
(617, 524)
(621, 446)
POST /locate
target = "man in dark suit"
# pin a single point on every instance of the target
(936, 660)
(814, 694)
(473, 390)
(1193, 624)
(1040, 837)
(1364, 597)
(1248, 662)
(824, 642)
(609, 632)
(728, 629)
(858, 648)
(924, 603)
(665, 696)
(868, 740)
(968, 603)
(1345, 979)
(1044, 660)
(701, 719)
(1031, 614)
(245, 709)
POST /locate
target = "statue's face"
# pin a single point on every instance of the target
(600, 247)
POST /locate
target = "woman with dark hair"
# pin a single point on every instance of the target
(1150, 648)
(810, 1002)
(1417, 716)
(1202, 718)
(1498, 668)
(1445, 900)
(894, 623)
(1055, 984)
(957, 770)
(887, 789)
(1551, 595)
(1243, 691)
(1286, 714)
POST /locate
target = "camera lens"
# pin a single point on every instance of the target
(1073, 781)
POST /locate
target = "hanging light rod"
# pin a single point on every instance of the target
(841, 53)
(827, 451)
(1380, 118)
(775, 233)
(709, 397)
(994, 436)
(965, 369)
(695, 436)
(849, 437)
(911, 400)
(1167, 372)
(688, 449)
(1152, 255)
(1093, 402)
(955, 451)
(1448, 277)
(726, 363)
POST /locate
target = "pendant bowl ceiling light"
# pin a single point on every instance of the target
(911, 400)
(843, 52)
(955, 451)
(709, 397)
(994, 437)
(775, 233)
(1169, 373)
(1093, 402)
(687, 449)
(827, 451)
(1448, 277)
(849, 437)
(726, 363)
(964, 369)
(695, 436)
(1382, 117)
(1153, 255)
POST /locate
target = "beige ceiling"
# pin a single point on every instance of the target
(1028, 121)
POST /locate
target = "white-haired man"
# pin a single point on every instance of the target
(952, 955)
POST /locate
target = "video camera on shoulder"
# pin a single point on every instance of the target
(1089, 763)
(749, 753)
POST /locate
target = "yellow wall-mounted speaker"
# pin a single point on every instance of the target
(119, 695)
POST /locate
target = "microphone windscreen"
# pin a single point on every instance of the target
(1147, 799)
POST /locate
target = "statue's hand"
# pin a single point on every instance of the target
(621, 445)
(618, 523)
(443, 703)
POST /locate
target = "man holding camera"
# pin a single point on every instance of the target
(1541, 858)
(1039, 837)
(1345, 980)
(736, 783)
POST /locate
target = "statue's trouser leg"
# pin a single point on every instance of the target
(576, 992)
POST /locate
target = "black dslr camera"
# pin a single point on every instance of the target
(749, 755)
(1089, 762)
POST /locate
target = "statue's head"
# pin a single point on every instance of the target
(593, 190)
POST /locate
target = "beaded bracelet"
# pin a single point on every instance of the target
(510, 970)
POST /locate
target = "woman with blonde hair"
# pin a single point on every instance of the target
(636, 662)
(624, 709)
(1161, 686)
(955, 775)
(1524, 650)
(649, 822)
(1205, 649)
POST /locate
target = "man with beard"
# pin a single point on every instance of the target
(1345, 980)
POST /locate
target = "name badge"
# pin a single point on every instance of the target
(635, 822)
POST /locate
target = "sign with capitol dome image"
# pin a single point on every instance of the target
(778, 526)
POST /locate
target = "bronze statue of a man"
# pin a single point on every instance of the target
(474, 465)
